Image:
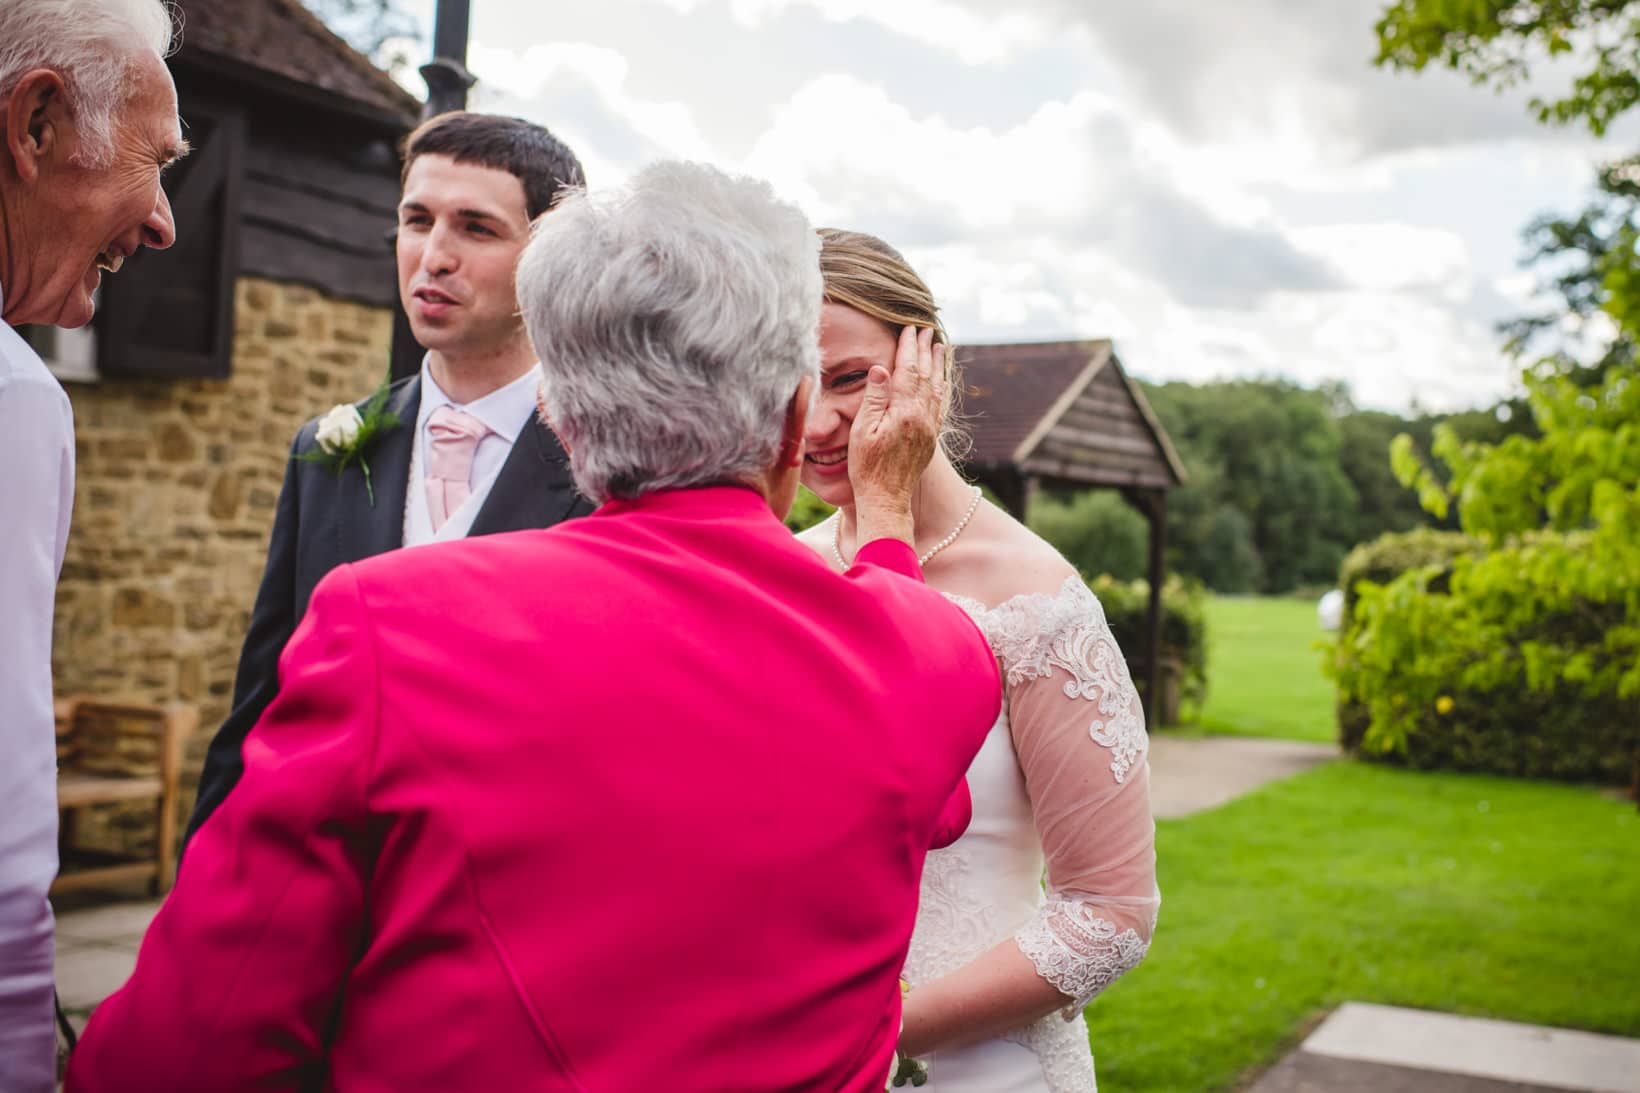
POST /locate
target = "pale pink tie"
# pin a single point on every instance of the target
(452, 439)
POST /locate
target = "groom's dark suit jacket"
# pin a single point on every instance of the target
(324, 520)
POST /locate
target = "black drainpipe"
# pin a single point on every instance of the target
(446, 74)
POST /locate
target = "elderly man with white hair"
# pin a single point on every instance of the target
(88, 120)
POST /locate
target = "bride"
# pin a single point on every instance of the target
(1000, 972)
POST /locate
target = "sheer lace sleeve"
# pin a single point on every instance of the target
(1079, 732)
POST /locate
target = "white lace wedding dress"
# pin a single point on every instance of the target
(1061, 784)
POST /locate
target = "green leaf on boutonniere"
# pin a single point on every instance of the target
(346, 434)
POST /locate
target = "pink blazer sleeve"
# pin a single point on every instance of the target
(954, 819)
(898, 557)
(890, 554)
(243, 968)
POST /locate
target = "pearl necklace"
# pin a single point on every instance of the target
(837, 533)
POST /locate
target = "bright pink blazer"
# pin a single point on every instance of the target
(636, 803)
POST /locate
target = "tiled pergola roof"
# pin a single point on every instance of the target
(1064, 411)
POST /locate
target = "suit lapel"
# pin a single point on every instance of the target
(533, 489)
(367, 528)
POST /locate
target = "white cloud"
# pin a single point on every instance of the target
(1223, 191)
(853, 156)
(983, 36)
(1392, 347)
(665, 128)
(842, 143)
(1518, 288)
(1389, 256)
(1297, 80)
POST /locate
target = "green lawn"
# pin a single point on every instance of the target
(1467, 894)
(1263, 671)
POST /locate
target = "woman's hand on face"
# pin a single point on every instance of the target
(895, 432)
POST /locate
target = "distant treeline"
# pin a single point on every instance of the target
(1284, 480)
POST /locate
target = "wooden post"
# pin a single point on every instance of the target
(1012, 488)
(1157, 511)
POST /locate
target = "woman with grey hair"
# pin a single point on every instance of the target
(472, 738)
(637, 305)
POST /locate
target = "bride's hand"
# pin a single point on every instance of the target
(894, 435)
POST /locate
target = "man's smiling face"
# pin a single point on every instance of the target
(89, 219)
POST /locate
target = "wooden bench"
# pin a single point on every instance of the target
(109, 753)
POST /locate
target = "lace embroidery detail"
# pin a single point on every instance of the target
(1035, 633)
(1062, 1048)
(1078, 952)
(954, 926)
(970, 901)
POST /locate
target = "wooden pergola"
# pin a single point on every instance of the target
(1065, 415)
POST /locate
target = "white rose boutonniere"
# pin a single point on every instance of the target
(339, 429)
(346, 433)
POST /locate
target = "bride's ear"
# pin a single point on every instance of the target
(797, 420)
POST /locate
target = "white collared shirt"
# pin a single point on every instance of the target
(36, 501)
(506, 411)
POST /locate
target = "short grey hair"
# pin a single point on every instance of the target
(674, 319)
(93, 45)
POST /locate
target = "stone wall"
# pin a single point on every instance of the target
(174, 498)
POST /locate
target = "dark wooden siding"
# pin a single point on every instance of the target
(318, 212)
(171, 313)
(1102, 439)
(318, 195)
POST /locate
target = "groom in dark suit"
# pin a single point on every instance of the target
(469, 456)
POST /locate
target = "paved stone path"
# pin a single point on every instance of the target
(1385, 1049)
(1193, 774)
(96, 950)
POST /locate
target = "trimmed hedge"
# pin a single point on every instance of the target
(1392, 554)
(1184, 629)
(1455, 657)
(1378, 563)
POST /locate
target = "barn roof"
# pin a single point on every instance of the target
(285, 47)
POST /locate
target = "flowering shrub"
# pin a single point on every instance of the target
(1518, 651)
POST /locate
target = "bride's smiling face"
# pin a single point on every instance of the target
(850, 343)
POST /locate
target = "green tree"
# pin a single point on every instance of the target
(1581, 259)
(1497, 42)
(1225, 557)
(807, 510)
(1270, 451)
(1383, 504)
(1549, 612)
(1096, 531)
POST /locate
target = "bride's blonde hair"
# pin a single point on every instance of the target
(865, 273)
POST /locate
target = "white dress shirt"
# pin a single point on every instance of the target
(36, 500)
(505, 411)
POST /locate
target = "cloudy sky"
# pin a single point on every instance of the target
(1224, 189)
